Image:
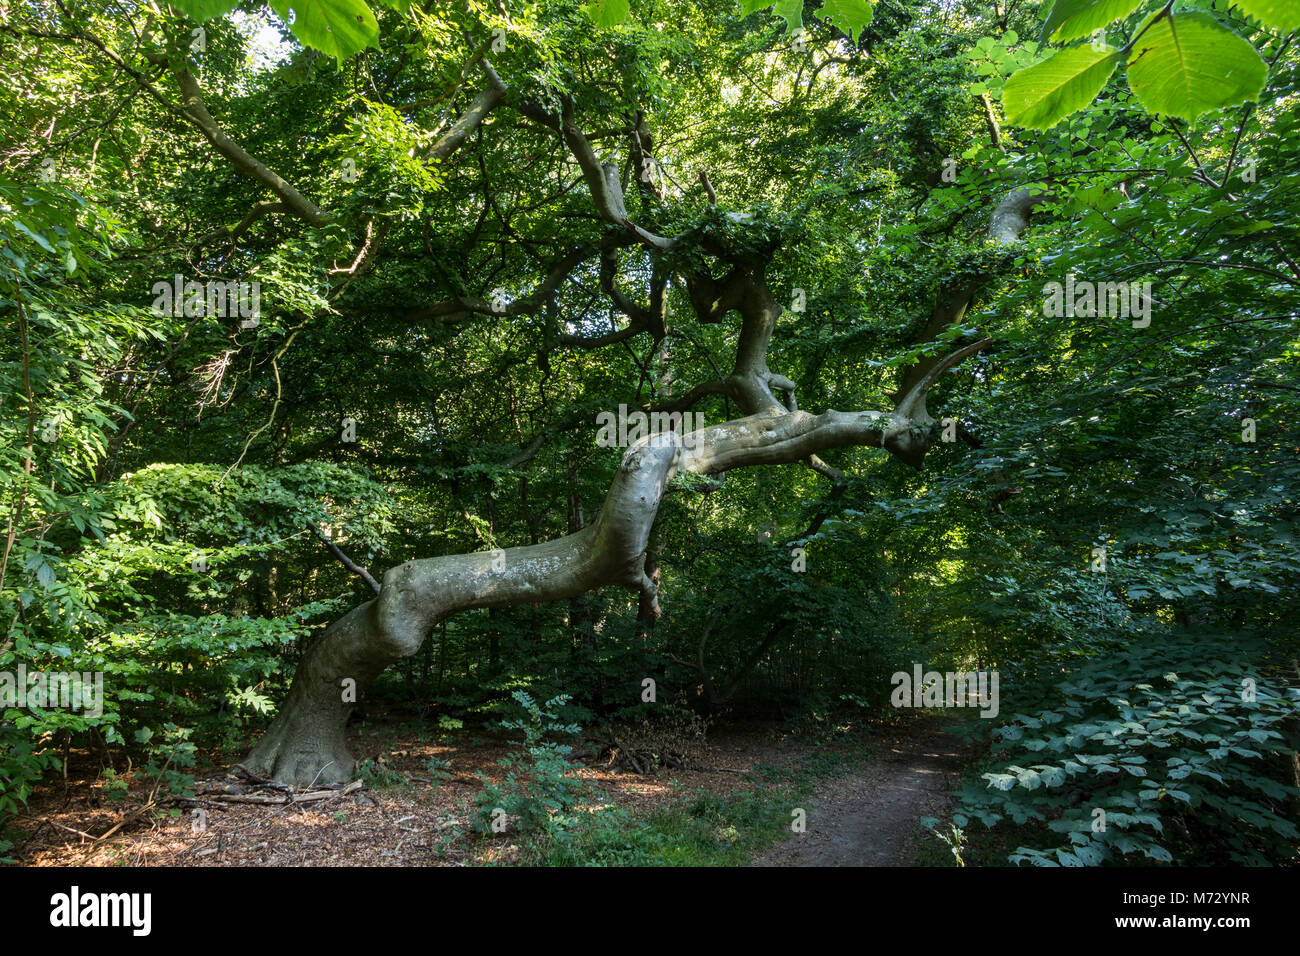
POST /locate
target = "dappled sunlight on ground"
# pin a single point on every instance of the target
(405, 817)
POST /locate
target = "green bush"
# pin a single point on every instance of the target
(539, 779)
(1157, 751)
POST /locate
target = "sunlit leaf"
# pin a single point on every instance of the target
(1188, 63)
(339, 28)
(1042, 95)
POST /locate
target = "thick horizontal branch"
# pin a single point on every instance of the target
(600, 341)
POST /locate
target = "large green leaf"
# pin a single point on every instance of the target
(850, 16)
(791, 11)
(1188, 63)
(201, 10)
(1071, 19)
(1282, 15)
(1042, 95)
(337, 27)
(607, 13)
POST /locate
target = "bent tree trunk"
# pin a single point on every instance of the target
(306, 743)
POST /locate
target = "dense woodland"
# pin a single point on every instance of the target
(984, 317)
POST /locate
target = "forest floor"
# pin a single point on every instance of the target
(871, 817)
(864, 795)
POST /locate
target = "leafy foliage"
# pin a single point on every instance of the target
(539, 781)
(1154, 750)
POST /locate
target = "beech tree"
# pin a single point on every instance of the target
(307, 741)
(723, 262)
(475, 229)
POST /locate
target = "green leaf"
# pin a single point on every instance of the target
(202, 10)
(1071, 19)
(1158, 853)
(1281, 15)
(607, 13)
(850, 16)
(1029, 779)
(38, 237)
(1090, 855)
(1040, 96)
(1188, 63)
(339, 28)
(1053, 776)
(791, 11)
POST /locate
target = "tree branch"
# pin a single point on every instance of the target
(196, 112)
(344, 559)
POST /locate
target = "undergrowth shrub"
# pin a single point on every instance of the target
(1174, 750)
(539, 783)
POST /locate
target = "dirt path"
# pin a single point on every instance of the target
(867, 819)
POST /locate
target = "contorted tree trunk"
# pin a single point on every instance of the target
(306, 744)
